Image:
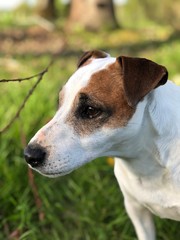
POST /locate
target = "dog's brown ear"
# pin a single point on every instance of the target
(87, 56)
(140, 76)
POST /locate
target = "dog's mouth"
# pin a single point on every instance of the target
(50, 174)
(54, 174)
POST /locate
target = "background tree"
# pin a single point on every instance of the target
(92, 14)
(163, 12)
(46, 8)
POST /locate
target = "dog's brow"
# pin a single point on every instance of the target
(84, 97)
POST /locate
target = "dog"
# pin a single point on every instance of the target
(126, 108)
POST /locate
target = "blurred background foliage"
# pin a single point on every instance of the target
(87, 204)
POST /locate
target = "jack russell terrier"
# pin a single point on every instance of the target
(117, 107)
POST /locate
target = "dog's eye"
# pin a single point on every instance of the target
(90, 112)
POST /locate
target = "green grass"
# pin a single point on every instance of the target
(86, 204)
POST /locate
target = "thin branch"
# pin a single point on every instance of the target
(23, 79)
(32, 183)
(40, 76)
(37, 198)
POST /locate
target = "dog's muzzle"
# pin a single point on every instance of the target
(35, 155)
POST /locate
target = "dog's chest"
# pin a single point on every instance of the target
(157, 193)
(170, 212)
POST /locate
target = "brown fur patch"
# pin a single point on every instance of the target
(105, 90)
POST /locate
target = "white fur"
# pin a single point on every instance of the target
(150, 178)
(147, 150)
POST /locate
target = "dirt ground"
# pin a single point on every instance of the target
(34, 40)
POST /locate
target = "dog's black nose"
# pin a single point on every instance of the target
(34, 155)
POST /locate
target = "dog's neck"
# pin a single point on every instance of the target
(165, 117)
(157, 137)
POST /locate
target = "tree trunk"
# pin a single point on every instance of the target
(46, 9)
(92, 14)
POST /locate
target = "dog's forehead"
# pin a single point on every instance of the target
(101, 81)
(83, 75)
(80, 79)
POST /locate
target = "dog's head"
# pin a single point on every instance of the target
(97, 109)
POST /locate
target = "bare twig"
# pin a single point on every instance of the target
(40, 76)
(37, 198)
(26, 78)
(20, 79)
(32, 183)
